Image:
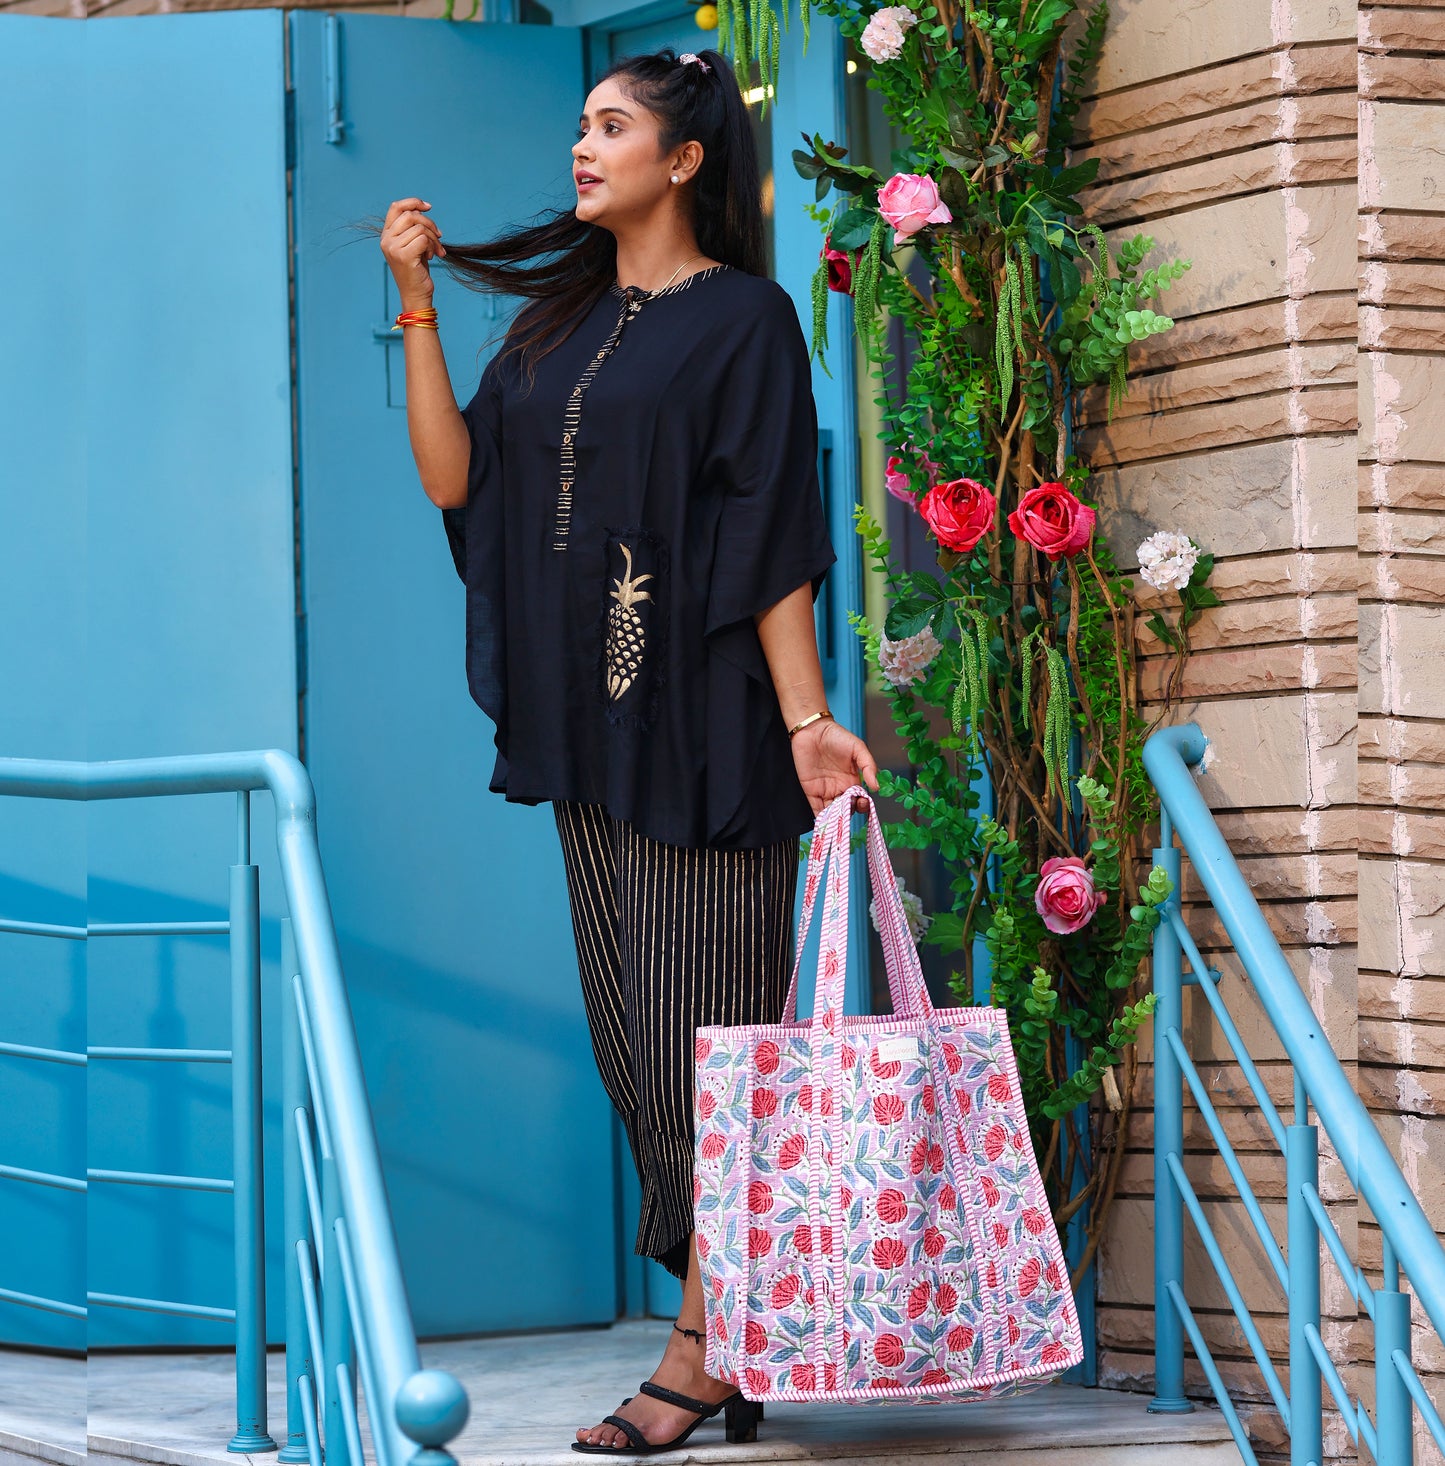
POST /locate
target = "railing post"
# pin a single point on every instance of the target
(1169, 1397)
(1394, 1418)
(1306, 1437)
(336, 1322)
(246, 1137)
(296, 1221)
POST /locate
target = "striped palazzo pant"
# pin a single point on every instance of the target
(670, 938)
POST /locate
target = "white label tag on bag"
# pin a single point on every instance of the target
(900, 1046)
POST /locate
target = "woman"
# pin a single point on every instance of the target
(631, 499)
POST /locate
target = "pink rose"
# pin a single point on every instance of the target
(1051, 519)
(960, 513)
(897, 481)
(908, 201)
(840, 266)
(1065, 896)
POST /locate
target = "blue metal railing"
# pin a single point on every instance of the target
(1321, 1084)
(346, 1309)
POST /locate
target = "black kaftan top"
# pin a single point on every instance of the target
(624, 521)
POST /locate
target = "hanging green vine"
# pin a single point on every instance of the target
(1024, 636)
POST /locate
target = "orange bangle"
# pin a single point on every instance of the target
(426, 317)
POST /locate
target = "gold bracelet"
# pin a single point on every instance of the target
(811, 718)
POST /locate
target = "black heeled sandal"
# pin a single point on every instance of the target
(740, 1419)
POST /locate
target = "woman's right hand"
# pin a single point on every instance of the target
(408, 240)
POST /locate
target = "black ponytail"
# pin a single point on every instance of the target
(727, 212)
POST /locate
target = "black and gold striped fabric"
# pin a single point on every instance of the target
(669, 938)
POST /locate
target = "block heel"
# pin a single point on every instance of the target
(740, 1419)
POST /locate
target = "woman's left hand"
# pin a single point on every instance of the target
(830, 759)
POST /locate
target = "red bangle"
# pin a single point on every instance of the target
(424, 317)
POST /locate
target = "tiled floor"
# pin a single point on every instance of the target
(530, 1392)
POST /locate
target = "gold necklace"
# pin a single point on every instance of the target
(670, 278)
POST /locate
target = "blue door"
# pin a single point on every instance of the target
(450, 903)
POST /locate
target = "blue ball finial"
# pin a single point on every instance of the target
(431, 1407)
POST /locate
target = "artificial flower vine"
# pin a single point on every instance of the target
(1033, 789)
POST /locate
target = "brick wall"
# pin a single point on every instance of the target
(1230, 133)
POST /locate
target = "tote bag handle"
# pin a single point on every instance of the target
(831, 833)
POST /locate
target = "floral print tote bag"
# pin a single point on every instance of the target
(871, 1222)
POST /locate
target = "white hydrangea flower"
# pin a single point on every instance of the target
(918, 923)
(882, 38)
(1167, 559)
(905, 661)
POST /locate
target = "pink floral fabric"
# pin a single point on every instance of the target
(871, 1223)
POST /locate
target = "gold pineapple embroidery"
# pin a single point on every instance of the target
(625, 636)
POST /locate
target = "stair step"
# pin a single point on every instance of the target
(530, 1392)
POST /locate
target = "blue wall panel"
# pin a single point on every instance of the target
(190, 617)
(42, 666)
(450, 903)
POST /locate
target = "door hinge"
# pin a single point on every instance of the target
(301, 654)
(290, 124)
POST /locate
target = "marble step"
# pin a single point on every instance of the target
(530, 1392)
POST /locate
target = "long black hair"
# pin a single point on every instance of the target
(727, 212)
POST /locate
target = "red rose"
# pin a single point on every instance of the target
(918, 1300)
(712, 1146)
(887, 1109)
(929, 1101)
(951, 1058)
(792, 1150)
(947, 1197)
(1034, 1220)
(892, 1206)
(758, 1381)
(803, 1238)
(946, 1298)
(1013, 1329)
(1055, 1352)
(918, 1157)
(990, 1190)
(760, 1242)
(960, 1336)
(933, 1242)
(840, 266)
(888, 1350)
(765, 1056)
(1029, 1275)
(889, 1252)
(785, 1290)
(706, 1104)
(760, 1197)
(1051, 519)
(995, 1141)
(765, 1103)
(1000, 1234)
(998, 1087)
(805, 1377)
(959, 512)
